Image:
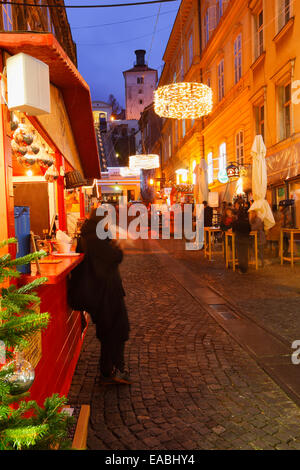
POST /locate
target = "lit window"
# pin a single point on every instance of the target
(222, 157)
(221, 88)
(7, 17)
(238, 59)
(210, 168)
(239, 147)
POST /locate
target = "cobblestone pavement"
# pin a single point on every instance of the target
(269, 296)
(194, 387)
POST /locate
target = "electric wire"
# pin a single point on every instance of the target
(149, 2)
(121, 22)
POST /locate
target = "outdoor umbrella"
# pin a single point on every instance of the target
(201, 184)
(259, 183)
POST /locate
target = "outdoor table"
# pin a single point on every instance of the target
(292, 257)
(208, 233)
(234, 260)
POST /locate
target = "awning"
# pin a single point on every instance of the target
(284, 164)
(74, 89)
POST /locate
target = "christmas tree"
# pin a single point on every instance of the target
(23, 423)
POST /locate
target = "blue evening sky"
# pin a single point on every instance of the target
(104, 52)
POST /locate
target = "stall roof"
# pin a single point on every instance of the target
(74, 89)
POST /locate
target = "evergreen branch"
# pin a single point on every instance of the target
(24, 437)
(8, 242)
(32, 285)
(26, 259)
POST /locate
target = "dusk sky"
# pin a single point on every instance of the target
(105, 50)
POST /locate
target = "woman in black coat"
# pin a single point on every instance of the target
(241, 227)
(101, 293)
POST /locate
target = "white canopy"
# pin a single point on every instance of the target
(201, 184)
(259, 183)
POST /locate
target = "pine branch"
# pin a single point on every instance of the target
(21, 438)
(8, 242)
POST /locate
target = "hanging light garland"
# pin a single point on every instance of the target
(143, 162)
(183, 100)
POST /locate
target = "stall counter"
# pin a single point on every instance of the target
(56, 352)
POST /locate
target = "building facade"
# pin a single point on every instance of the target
(248, 53)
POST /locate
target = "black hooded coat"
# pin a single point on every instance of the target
(96, 286)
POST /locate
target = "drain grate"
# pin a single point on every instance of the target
(224, 311)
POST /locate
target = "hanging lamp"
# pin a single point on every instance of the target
(144, 162)
(184, 100)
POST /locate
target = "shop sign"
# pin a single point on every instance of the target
(222, 176)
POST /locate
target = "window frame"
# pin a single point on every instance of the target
(240, 147)
(210, 168)
(222, 156)
(238, 57)
(221, 80)
(7, 17)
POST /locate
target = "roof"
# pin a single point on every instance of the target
(140, 68)
(74, 89)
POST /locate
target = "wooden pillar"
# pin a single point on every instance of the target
(81, 200)
(62, 217)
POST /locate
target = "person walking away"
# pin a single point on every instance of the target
(257, 225)
(105, 300)
(208, 214)
(241, 228)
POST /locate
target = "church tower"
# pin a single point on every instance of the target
(140, 83)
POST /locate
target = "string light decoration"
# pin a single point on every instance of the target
(143, 162)
(185, 100)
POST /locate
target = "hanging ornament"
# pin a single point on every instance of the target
(51, 174)
(233, 171)
(44, 159)
(21, 378)
(22, 135)
(143, 162)
(183, 100)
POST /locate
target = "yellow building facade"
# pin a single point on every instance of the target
(247, 52)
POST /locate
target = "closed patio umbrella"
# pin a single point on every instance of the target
(201, 184)
(259, 183)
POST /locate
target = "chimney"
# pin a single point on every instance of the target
(140, 57)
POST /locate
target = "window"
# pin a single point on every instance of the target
(191, 52)
(181, 69)
(260, 120)
(183, 128)
(259, 34)
(140, 80)
(284, 13)
(210, 168)
(221, 89)
(141, 101)
(170, 145)
(140, 91)
(176, 131)
(239, 147)
(238, 59)
(7, 17)
(222, 157)
(285, 111)
(210, 22)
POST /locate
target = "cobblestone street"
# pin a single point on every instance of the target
(194, 386)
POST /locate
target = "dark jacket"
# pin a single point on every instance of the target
(98, 283)
(241, 226)
(208, 216)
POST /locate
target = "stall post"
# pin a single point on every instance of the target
(62, 217)
(81, 201)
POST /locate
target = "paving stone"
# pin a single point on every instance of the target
(194, 387)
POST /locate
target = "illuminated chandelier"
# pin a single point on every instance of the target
(183, 100)
(144, 162)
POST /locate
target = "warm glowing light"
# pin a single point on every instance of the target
(151, 182)
(29, 173)
(143, 162)
(182, 174)
(239, 187)
(112, 118)
(183, 100)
